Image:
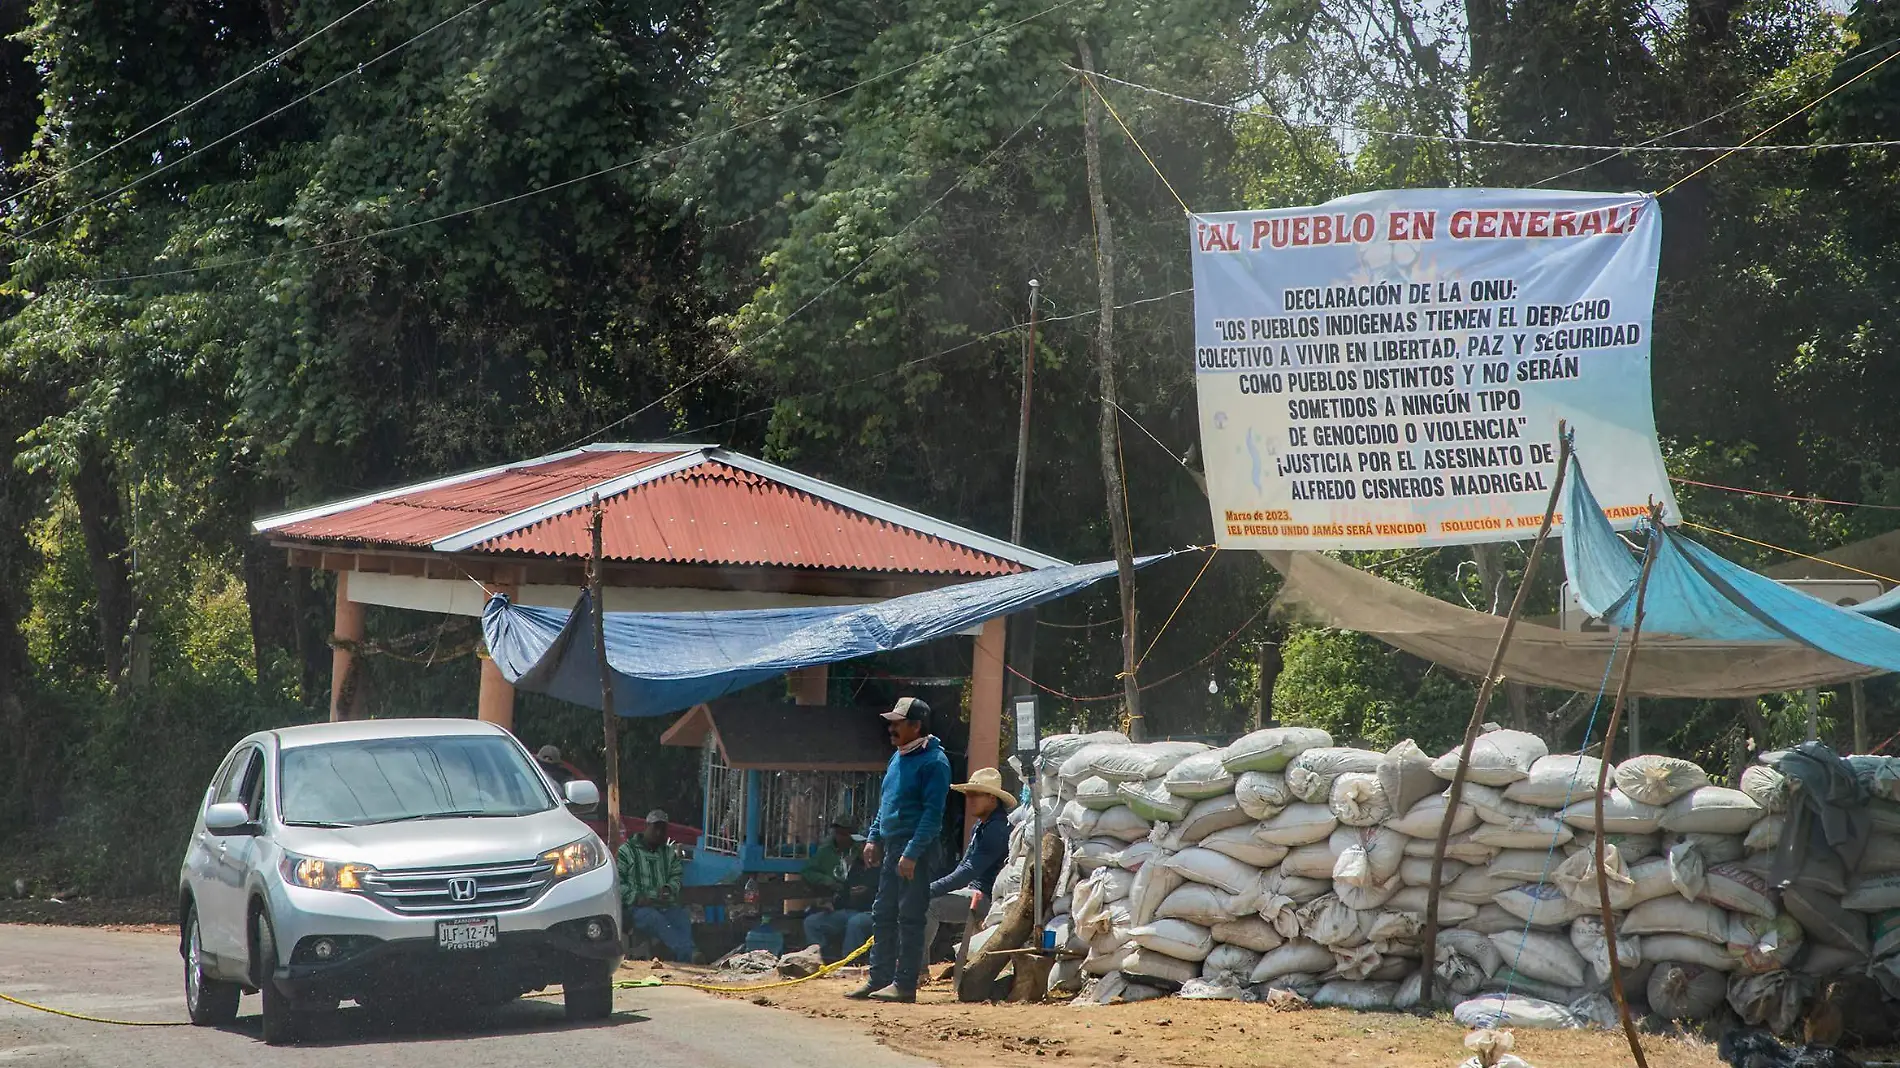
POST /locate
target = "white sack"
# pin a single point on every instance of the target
(1271, 749)
(1557, 780)
(1658, 780)
(1262, 794)
(1498, 758)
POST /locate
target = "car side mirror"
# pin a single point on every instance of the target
(582, 793)
(229, 818)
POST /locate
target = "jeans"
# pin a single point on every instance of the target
(672, 926)
(953, 907)
(898, 916)
(833, 930)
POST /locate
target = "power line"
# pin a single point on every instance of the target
(1737, 106)
(351, 73)
(272, 61)
(1367, 131)
(884, 243)
(887, 372)
(602, 172)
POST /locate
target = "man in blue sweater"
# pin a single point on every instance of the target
(903, 846)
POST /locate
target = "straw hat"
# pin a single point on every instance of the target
(987, 781)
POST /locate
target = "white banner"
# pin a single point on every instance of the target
(1389, 369)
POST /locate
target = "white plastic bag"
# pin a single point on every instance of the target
(1262, 794)
(1658, 780)
(1200, 776)
(1498, 758)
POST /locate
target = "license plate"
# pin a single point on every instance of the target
(467, 934)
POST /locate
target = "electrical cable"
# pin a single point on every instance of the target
(272, 61)
(1747, 146)
(346, 75)
(648, 158)
(741, 348)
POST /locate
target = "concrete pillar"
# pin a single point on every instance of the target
(495, 703)
(986, 700)
(809, 685)
(346, 684)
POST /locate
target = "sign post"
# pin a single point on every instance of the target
(1025, 708)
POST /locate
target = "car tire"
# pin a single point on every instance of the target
(280, 1020)
(589, 994)
(209, 1002)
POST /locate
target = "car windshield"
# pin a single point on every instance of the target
(356, 783)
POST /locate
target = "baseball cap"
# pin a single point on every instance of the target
(907, 708)
(658, 815)
(548, 754)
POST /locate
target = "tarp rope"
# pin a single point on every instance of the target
(23, 1003)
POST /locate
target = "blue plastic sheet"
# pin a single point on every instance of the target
(1694, 593)
(667, 661)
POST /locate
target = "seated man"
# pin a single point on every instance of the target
(954, 896)
(549, 757)
(839, 867)
(650, 889)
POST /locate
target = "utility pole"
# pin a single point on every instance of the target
(1022, 426)
(609, 719)
(1021, 645)
(1109, 427)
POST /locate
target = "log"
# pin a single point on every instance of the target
(1016, 930)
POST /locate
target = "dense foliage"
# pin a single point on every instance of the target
(447, 232)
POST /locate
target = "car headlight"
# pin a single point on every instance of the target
(318, 874)
(576, 858)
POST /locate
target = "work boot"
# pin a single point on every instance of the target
(897, 994)
(867, 991)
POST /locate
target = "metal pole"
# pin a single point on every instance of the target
(1457, 793)
(1022, 425)
(1603, 775)
(1035, 849)
(609, 720)
(1814, 714)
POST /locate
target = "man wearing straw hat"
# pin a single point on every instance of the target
(954, 896)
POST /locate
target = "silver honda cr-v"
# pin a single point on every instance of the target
(389, 861)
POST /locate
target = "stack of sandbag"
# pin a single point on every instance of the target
(1285, 862)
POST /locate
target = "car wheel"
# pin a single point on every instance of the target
(589, 994)
(210, 1002)
(280, 1020)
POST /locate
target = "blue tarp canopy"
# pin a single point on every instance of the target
(667, 661)
(1697, 594)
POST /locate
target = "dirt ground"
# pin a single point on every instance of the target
(1187, 1034)
(112, 914)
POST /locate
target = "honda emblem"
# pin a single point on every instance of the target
(462, 889)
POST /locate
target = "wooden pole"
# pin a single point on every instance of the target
(609, 719)
(1022, 423)
(1603, 776)
(1859, 694)
(1108, 427)
(1457, 793)
(1814, 714)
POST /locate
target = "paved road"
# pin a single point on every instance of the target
(137, 977)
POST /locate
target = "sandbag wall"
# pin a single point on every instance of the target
(1284, 863)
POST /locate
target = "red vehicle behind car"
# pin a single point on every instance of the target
(687, 838)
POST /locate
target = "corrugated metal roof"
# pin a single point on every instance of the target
(663, 505)
(718, 514)
(423, 517)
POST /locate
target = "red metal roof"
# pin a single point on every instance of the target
(718, 514)
(419, 518)
(707, 507)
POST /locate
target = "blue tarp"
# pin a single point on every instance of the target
(667, 661)
(1694, 593)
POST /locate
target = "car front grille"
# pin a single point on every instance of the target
(495, 888)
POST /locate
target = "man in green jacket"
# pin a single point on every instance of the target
(650, 889)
